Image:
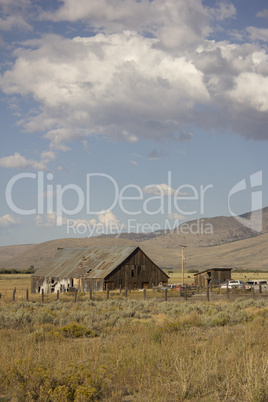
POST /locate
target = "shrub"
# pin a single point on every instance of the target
(43, 382)
(75, 330)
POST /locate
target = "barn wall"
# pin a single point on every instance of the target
(96, 285)
(216, 277)
(199, 280)
(50, 285)
(137, 272)
(225, 275)
(220, 276)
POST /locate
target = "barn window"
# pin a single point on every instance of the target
(132, 273)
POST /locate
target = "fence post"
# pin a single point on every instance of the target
(58, 294)
(208, 293)
(43, 298)
(185, 293)
(126, 293)
(0, 295)
(75, 295)
(14, 294)
(144, 294)
(180, 292)
(166, 294)
(252, 292)
(244, 289)
(90, 294)
(27, 294)
(260, 288)
(227, 292)
(107, 294)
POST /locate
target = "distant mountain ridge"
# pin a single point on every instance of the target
(227, 244)
(225, 230)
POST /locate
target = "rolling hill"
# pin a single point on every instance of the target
(228, 244)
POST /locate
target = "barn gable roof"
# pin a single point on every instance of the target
(213, 269)
(90, 262)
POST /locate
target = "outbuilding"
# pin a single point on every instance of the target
(98, 269)
(214, 276)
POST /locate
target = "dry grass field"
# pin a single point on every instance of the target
(132, 350)
(10, 281)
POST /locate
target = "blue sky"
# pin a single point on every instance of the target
(130, 115)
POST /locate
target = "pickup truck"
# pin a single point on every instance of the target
(232, 284)
(256, 284)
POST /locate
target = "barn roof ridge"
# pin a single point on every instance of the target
(89, 262)
(214, 269)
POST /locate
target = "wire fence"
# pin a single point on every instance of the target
(186, 294)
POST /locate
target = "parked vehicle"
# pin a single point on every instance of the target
(256, 284)
(171, 286)
(179, 286)
(232, 284)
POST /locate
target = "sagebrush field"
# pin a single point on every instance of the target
(134, 350)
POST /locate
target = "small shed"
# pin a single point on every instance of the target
(212, 275)
(97, 269)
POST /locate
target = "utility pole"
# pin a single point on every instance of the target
(182, 261)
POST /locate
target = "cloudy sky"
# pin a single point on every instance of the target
(130, 115)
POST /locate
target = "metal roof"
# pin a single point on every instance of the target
(90, 262)
(213, 269)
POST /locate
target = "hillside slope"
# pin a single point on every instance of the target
(228, 244)
(247, 253)
(210, 232)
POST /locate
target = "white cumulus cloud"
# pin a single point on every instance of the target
(177, 23)
(251, 88)
(108, 218)
(52, 219)
(149, 71)
(8, 220)
(14, 15)
(112, 85)
(48, 156)
(258, 33)
(20, 162)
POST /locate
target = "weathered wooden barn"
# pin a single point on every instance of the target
(97, 269)
(212, 275)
